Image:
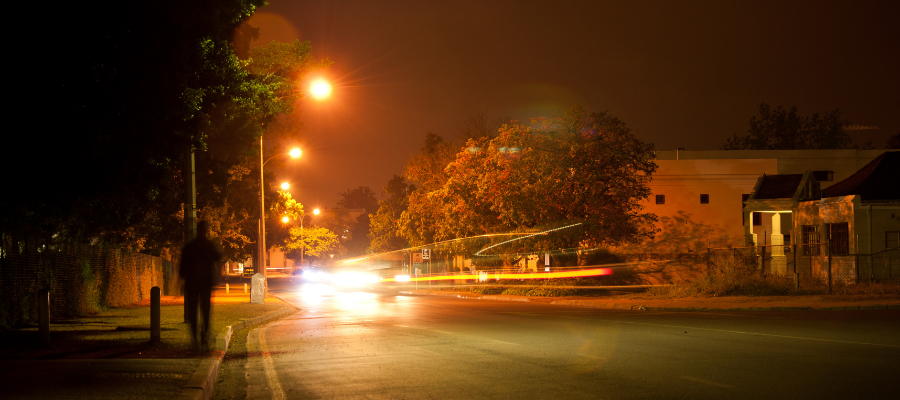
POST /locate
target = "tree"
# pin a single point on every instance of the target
(781, 129)
(384, 225)
(478, 126)
(144, 82)
(358, 229)
(588, 173)
(419, 224)
(893, 142)
(315, 242)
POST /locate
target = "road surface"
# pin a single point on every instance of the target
(378, 344)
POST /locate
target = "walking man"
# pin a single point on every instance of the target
(198, 269)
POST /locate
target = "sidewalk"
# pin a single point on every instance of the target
(729, 303)
(109, 355)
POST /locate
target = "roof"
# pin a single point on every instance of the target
(878, 180)
(778, 186)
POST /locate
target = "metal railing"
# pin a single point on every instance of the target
(806, 262)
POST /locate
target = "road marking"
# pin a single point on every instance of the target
(715, 330)
(402, 326)
(500, 341)
(706, 382)
(751, 333)
(449, 333)
(269, 366)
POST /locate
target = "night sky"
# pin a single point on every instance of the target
(680, 73)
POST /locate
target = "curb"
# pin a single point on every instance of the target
(638, 307)
(200, 385)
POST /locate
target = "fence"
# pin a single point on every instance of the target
(819, 262)
(79, 277)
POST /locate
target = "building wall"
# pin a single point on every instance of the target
(867, 222)
(726, 175)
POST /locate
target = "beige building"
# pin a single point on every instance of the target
(707, 189)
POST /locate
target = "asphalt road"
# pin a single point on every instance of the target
(375, 344)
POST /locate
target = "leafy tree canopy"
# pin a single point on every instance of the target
(893, 142)
(144, 82)
(781, 129)
(585, 171)
(315, 242)
(384, 225)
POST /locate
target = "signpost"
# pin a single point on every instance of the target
(426, 255)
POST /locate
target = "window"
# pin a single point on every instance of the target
(839, 235)
(757, 219)
(824, 176)
(660, 199)
(891, 240)
(809, 234)
(704, 199)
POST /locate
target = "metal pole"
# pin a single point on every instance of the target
(828, 255)
(302, 243)
(262, 216)
(154, 314)
(796, 274)
(44, 317)
(190, 204)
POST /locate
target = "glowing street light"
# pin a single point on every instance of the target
(285, 186)
(320, 89)
(294, 153)
(285, 219)
(316, 212)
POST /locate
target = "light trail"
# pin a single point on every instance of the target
(478, 253)
(352, 260)
(497, 276)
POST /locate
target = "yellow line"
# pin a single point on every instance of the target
(752, 333)
(706, 382)
(269, 366)
(712, 330)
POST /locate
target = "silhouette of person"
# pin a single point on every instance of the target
(198, 269)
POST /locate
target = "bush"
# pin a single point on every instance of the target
(86, 291)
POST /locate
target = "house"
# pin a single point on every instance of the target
(709, 188)
(858, 217)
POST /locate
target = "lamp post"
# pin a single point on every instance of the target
(294, 153)
(320, 90)
(303, 246)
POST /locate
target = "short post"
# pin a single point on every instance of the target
(154, 314)
(44, 317)
(245, 288)
(796, 274)
(828, 255)
(258, 289)
(227, 289)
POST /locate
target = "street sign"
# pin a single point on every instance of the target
(426, 254)
(416, 258)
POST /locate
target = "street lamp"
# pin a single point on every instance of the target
(285, 186)
(303, 246)
(294, 153)
(320, 90)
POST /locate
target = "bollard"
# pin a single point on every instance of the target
(44, 317)
(796, 281)
(227, 289)
(245, 288)
(154, 314)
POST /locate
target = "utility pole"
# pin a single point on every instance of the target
(190, 205)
